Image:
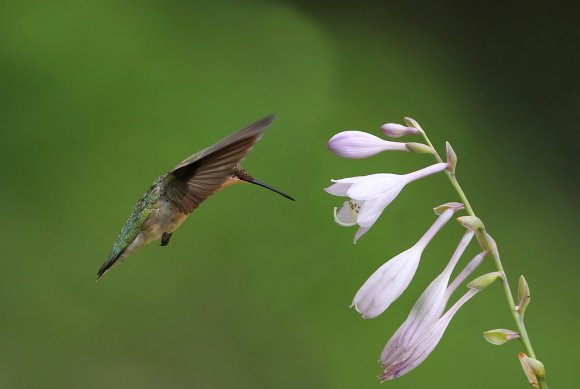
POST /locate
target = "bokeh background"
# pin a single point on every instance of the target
(99, 98)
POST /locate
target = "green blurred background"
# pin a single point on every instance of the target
(99, 98)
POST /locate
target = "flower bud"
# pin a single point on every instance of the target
(413, 123)
(451, 158)
(395, 130)
(484, 281)
(359, 144)
(533, 369)
(472, 223)
(523, 296)
(492, 246)
(419, 148)
(500, 336)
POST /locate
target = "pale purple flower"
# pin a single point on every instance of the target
(416, 352)
(389, 281)
(371, 194)
(358, 144)
(418, 336)
(395, 130)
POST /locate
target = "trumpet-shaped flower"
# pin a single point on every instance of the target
(358, 144)
(389, 281)
(417, 351)
(371, 194)
(418, 336)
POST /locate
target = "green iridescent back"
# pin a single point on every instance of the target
(140, 214)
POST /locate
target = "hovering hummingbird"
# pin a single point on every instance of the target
(176, 194)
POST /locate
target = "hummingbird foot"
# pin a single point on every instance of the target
(165, 238)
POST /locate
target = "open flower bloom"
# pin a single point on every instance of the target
(389, 281)
(370, 195)
(358, 144)
(418, 336)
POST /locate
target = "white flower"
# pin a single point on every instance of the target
(387, 283)
(358, 144)
(372, 194)
(418, 336)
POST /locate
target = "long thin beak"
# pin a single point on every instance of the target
(264, 185)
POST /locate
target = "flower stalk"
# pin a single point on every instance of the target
(488, 242)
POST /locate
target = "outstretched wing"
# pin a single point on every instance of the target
(200, 175)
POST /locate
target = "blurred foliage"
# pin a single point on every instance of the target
(99, 98)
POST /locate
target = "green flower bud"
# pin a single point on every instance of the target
(451, 158)
(533, 369)
(500, 336)
(484, 281)
(419, 148)
(523, 296)
(413, 123)
(472, 223)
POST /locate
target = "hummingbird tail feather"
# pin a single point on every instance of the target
(109, 264)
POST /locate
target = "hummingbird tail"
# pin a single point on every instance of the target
(108, 264)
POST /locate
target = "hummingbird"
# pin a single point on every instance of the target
(177, 193)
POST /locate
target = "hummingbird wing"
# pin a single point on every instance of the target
(200, 175)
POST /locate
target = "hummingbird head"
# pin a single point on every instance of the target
(240, 174)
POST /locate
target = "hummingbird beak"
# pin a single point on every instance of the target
(252, 180)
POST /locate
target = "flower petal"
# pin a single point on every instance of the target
(360, 232)
(387, 283)
(375, 185)
(372, 209)
(427, 309)
(340, 187)
(417, 351)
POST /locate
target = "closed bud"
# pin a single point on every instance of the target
(523, 296)
(419, 148)
(472, 223)
(451, 158)
(413, 123)
(359, 144)
(491, 245)
(395, 130)
(533, 369)
(484, 281)
(500, 336)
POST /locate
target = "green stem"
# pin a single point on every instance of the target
(519, 319)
